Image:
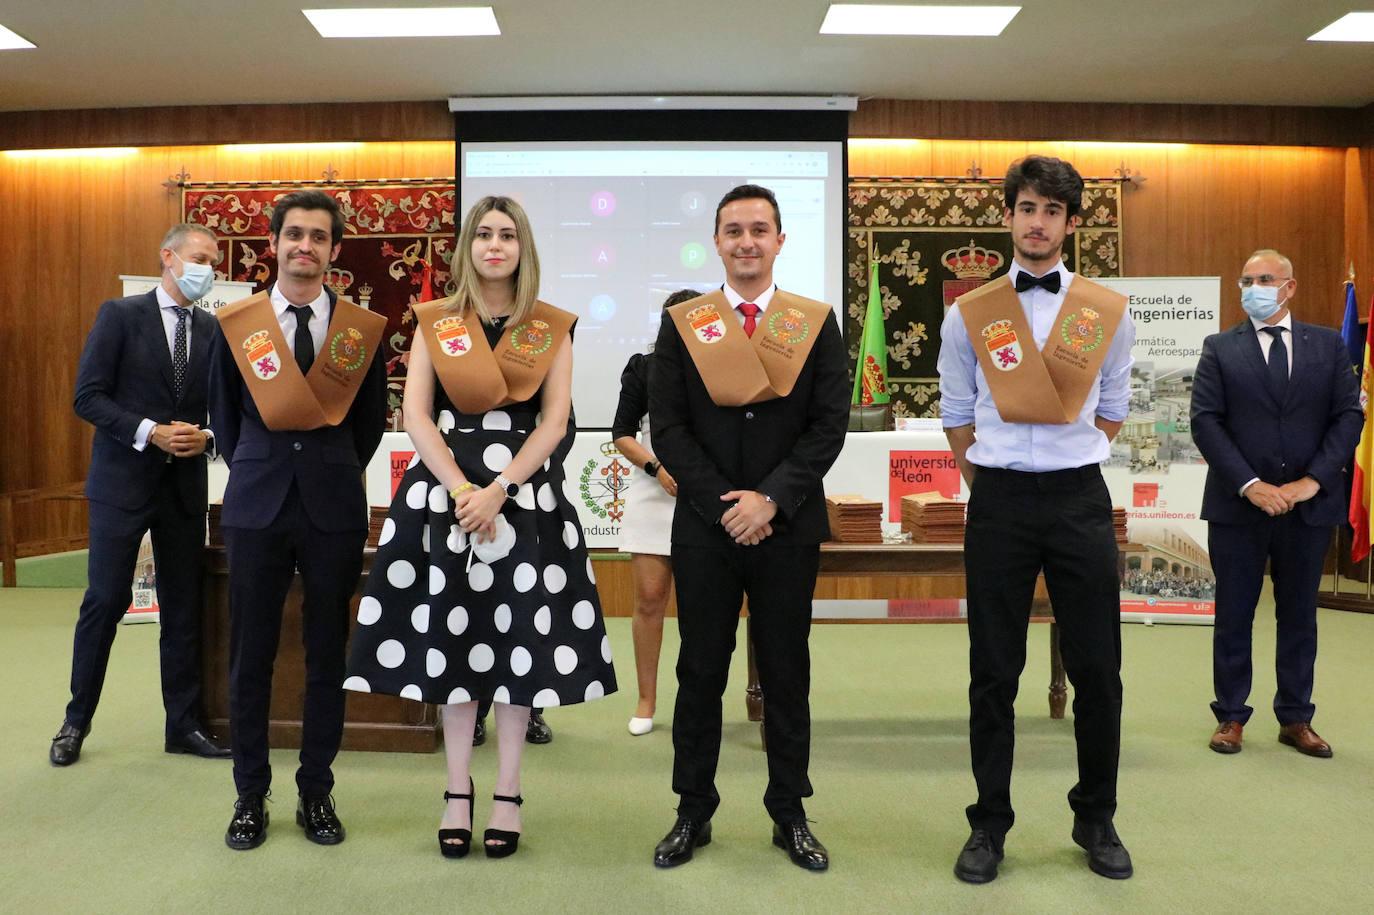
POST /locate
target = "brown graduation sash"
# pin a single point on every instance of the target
(478, 378)
(287, 399)
(1033, 386)
(738, 369)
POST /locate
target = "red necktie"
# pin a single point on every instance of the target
(749, 310)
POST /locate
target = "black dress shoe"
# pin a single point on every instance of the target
(538, 730)
(197, 743)
(66, 746)
(802, 847)
(979, 859)
(479, 732)
(685, 837)
(1106, 855)
(248, 828)
(321, 824)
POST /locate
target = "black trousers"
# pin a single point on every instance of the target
(179, 555)
(261, 566)
(711, 581)
(1018, 525)
(1295, 552)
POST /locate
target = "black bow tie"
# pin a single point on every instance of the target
(1049, 281)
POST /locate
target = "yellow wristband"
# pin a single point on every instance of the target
(464, 487)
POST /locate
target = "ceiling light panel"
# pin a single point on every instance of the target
(9, 41)
(414, 22)
(1350, 27)
(876, 19)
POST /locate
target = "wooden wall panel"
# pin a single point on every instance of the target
(203, 124)
(1111, 122)
(1359, 220)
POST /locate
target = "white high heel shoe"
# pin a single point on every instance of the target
(641, 726)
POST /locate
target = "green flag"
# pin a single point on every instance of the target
(870, 375)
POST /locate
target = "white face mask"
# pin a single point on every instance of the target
(196, 280)
(1260, 302)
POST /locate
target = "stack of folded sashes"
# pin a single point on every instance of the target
(854, 519)
(932, 518)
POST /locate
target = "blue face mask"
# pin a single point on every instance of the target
(196, 280)
(1260, 302)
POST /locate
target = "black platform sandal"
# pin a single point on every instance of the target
(509, 840)
(457, 849)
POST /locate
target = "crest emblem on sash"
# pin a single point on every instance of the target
(346, 349)
(706, 323)
(531, 338)
(262, 355)
(453, 337)
(1082, 330)
(789, 325)
(1002, 345)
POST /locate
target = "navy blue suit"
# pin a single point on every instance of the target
(125, 376)
(294, 500)
(1245, 429)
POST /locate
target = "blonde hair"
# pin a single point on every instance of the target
(526, 277)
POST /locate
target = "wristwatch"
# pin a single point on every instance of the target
(651, 467)
(512, 489)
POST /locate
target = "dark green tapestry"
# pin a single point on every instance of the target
(935, 240)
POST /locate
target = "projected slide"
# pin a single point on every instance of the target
(621, 225)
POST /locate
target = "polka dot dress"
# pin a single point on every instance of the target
(440, 625)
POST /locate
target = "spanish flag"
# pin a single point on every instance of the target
(1362, 486)
(870, 375)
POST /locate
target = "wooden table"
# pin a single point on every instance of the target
(884, 561)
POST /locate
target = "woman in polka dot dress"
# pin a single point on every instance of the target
(502, 604)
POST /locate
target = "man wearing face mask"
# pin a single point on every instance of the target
(1276, 413)
(142, 383)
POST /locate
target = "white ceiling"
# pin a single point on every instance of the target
(122, 53)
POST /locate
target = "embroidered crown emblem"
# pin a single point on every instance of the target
(338, 279)
(972, 262)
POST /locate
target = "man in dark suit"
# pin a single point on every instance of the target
(750, 516)
(1276, 413)
(294, 501)
(142, 384)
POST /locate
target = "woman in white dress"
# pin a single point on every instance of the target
(647, 531)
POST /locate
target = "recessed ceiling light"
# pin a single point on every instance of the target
(12, 42)
(875, 19)
(1350, 27)
(414, 22)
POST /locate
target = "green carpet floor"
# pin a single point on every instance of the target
(132, 829)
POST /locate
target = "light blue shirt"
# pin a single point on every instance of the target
(1036, 447)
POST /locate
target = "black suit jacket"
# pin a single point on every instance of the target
(781, 447)
(125, 376)
(326, 464)
(1244, 431)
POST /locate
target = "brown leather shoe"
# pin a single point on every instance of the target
(1226, 738)
(1300, 736)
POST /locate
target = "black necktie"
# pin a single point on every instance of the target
(1049, 282)
(179, 351)
(304, 343)
(1278, 361)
